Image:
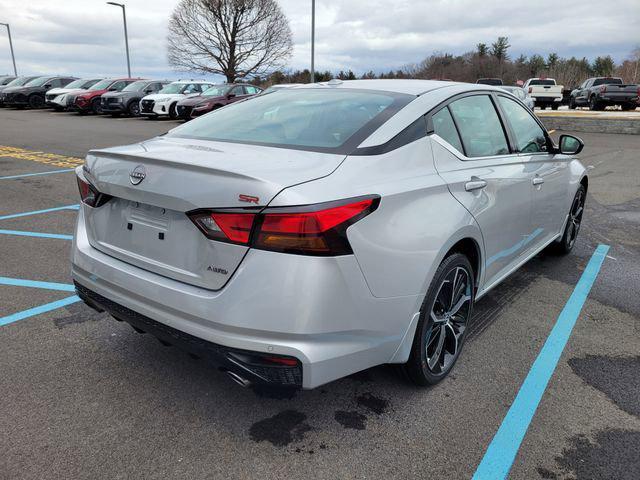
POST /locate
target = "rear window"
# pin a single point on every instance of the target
(542, 82)
(312, 119)
(607, 81)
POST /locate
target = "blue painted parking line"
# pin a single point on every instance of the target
(502, 450)
(36, 234)
(36, 212)
(37, 174)
(19, 282)
(47, 307)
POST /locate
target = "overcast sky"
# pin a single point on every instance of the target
(84, 37)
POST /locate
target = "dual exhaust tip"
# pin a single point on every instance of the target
(240, 380)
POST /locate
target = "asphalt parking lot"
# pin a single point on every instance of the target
(84, 396)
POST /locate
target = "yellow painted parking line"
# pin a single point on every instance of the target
(40, 157)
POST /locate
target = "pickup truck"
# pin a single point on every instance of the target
(600, 92)
(544, 91)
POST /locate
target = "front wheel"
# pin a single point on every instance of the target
(96, 106)
(134, 108)
(173, 113)
(554, 106)
(36, 101)
(572, 103)
(444, 318)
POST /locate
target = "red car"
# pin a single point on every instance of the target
(89, 101)
(214, 97)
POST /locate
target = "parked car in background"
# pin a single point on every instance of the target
(273, 238)
(16, 82)
(128, 100)
(56, 96)
(5, 79)
(545, 92)
(496, 82)
(520, 93)
(89, 101)
(279, 86)
(32, 93)
(600, 92)
(216, 97)
(164, 103)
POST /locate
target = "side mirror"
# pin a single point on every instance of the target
(148, 91)
(231, 95)
(113, 89)
(48, 85)
(570, 145)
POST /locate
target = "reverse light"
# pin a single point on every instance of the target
(319, 229)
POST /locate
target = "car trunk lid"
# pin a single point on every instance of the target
(146, 225)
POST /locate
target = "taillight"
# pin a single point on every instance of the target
(603, 89)
(307, 230)
(530, 89)
(90, 195)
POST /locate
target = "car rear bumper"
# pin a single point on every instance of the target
(318, 310)
(613, 99)
(547, 99)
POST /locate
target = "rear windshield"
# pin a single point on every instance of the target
(542, 82)
(607, 81)
(309, 119)
(173, 88)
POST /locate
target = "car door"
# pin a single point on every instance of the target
(582, 96)
(550, 172)
(473, 156)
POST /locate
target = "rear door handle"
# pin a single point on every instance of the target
(475, 184)
(537, 181)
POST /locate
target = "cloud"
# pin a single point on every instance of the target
(84, 37)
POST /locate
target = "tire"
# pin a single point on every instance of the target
(134, 108)
(593, 104)
(173, 113)
(443, 323)
(572, 228)
(554, 106)
(36, 101)
(572, 103)
(629, 107)
(95, 106)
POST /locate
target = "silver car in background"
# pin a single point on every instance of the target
(521, 94)
(320, 230)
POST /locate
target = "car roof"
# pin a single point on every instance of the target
(406, 86)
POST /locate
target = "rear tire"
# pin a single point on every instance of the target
(443, 323)
(629, 107)
(554, 106)
(572, 228)
(593, 104)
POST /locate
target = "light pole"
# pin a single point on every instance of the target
(15, 71)
(313, 40)
(126, 37)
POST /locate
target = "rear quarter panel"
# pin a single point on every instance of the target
(401, 244)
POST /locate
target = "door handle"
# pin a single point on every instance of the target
(475, 184)
(537, 181)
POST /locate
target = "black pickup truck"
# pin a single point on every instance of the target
(600, 92)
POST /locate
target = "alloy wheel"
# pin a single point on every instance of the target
(449, 316)
(575, 218)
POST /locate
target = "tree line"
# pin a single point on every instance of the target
(491, 61)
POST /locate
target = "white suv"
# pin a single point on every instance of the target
(164, 102)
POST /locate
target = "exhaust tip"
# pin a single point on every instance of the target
(243, 382)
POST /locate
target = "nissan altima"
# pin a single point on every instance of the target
(308, 234)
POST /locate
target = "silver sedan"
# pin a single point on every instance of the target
(323, 229)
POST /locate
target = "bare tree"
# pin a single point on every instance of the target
(234, 38)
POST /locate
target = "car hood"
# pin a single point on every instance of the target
(118, 94)
(158, 97)
(91, 93)
(60, 91)
(19, 89)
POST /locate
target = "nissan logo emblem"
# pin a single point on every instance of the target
(137, 175)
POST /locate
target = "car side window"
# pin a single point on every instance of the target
(479, 125)
(251, 90)
(118, 86)
(237, 91)
(444, 127)
(529, 136)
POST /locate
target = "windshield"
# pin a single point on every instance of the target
(135, 86)
(37, 82)
(76, 84)
(607, 81)
(517, 91)
(311, 118)
(542, 82)
(173, 88)
(216, 91)
(102, 84)
(18, 82)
